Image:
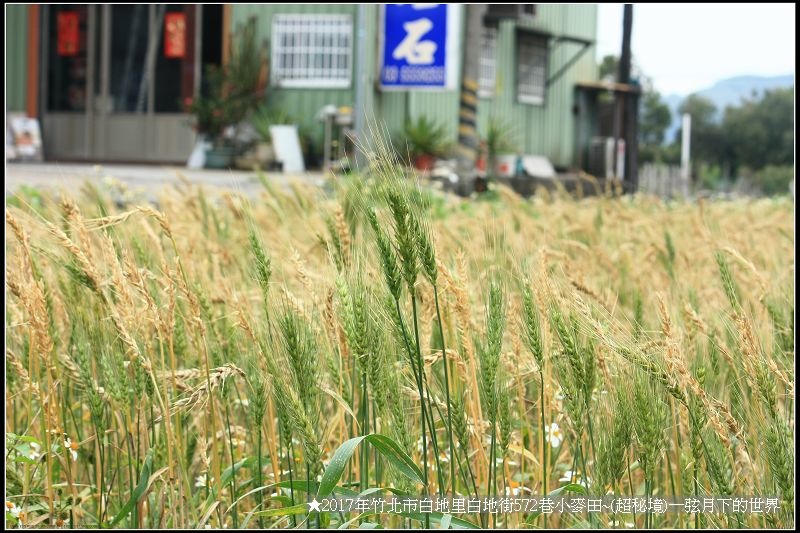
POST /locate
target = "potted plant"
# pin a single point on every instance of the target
(230, 95)
(501, 150)
(425, 140)
(262, 119)
(210, 120)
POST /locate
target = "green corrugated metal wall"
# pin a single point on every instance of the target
(548, 130)
(301, 104)
(16, 56)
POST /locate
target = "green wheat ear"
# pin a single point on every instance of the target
(391, 272)
(650, 418)
(262, 263)
(424, 244)
(613, 440)
(533, 326)
(728, 282)
(779, 445)
(404, 239)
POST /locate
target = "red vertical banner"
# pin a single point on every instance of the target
(175, 35)
(68, 33)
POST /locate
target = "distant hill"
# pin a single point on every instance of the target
(728, 92)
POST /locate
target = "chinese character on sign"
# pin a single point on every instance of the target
(622, 505)
(771, 506)
(68, 33)
(426, 505)
(442, 505)
(413, 49)
(594, 505)
(659, 505)
(757, 505)
(577, 505)
(740, 505)
(175, 35)
(395, 505)
(691, 505)
(362, 505)
(708, 505)
(417, 42)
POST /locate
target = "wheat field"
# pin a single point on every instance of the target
(217, 360)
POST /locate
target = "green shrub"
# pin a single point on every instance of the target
(773, 179)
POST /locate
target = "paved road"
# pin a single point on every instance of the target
(146, 179)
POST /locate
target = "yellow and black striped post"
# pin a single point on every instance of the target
(468, 140)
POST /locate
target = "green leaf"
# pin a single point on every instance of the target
(384, 445)
(310, 488)
(300, 508)
(446, 519)
(284, 500)
(439, 518)
(228, 473)
(571, 487)
(346, 525)
(138, 492)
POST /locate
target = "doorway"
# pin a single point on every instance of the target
(116, 80)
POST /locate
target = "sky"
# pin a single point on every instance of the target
(688, 47)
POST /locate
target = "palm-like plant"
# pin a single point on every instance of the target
(423, 137)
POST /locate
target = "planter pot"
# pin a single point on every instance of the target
(219, 157)
(264, 153)
(505, 166)
(197, 159)
(424, 162)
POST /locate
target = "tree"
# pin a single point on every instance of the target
(655, 119)
(708, 143)
(609, 67)
(761, 132)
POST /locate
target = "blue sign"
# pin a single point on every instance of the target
(417, 41)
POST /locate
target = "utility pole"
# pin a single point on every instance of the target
(631, 105)
(686, 136)
(359, 109)
(468, 140)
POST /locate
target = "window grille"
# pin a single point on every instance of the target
(312, 51)
(531, 69)
(488, 63)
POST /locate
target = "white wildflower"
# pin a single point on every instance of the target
(14, 509)
(72, 447)
(35, 451)
(554, 435)
(569, 475)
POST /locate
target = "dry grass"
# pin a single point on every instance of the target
(192, 371)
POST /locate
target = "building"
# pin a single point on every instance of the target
(107, 81)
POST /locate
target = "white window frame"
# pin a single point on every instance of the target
(532, 66)
(298, 39)
(487, 78)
